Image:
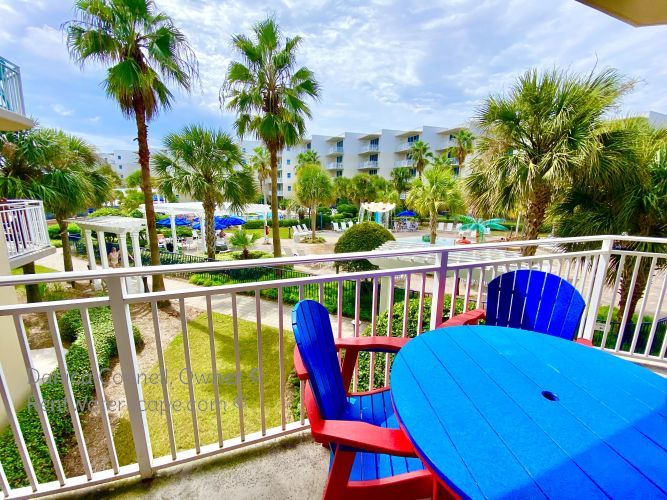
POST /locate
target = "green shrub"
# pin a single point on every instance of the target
(348, 208)
(54, 230)
(364, 360)
(53, 394)
(362, 237)
(108, 212)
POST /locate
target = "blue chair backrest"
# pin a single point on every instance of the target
(314, 338)
(536, 301)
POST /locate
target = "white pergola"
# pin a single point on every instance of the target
(196, 208)
(121, 227)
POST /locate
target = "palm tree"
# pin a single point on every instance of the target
(307, 157)
(342, 188)
(207, 165)
(143, 52)
(421, 155)
(535, 139)
(632, 200)
(243, 240)
(268, 92)
(362, 188)
(464, 145)
(442, 161)
(313, 188)
(402, 178)
(260, 162)
(480, 225)
(436, 190)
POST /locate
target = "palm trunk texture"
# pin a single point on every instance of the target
(537, 207)
(275, 222)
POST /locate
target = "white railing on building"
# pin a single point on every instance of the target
(11, 90)
(404, 146)
(335, 165)
(370, 148)
(335, 149)
(368, 164)
(24, 224)
(403, 163)
(445, 274)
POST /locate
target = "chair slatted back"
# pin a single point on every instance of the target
(314, 338)
(535, 300)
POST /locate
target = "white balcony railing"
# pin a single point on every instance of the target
(368, 164)
(335, 165)
(335, 150)
(403, 163)
(404, 146)
(370, 148)
(24, 224)
(446, 276)
(11, 90)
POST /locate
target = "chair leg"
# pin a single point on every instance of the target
(339, 475)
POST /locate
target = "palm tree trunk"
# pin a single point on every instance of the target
(67, 251)
(32, 292)
(144, 162)
(433, 225)
(209, 218)
(313, 221)
(626, 301)
(535, 213)
(275, 222)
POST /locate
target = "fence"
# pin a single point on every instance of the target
(24, 225)
(247, 340)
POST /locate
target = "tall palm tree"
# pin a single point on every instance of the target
(260, 162)
(313, 188)
(342, 188)
(442, 161)
(306, 157)
(207, 165)
(535, 139)
(268, 92)
(402, 178)
(464, 143)
(633, 200)
(362, 188)
(143, 51)
(421, 155)
(436, 190)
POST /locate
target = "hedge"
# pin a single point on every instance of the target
(397, 331)
(54, 230)
(362, 237)
(259, 224)
(53, 394)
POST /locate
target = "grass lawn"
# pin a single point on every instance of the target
(284, 232)
(200, 355)
(38, 269)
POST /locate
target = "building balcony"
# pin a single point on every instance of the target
(334, 165)
(211, 382)
(12, 108)
(404, 146)
(369, 148)
(403, 163)
(335, 150)
(26, 235)
(370, 164)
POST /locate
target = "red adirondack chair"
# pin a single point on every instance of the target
(529, 300)
(371, 457)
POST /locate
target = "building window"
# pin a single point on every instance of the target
(288, 148)
(339, 159)
(289, 161)
(413, 172)
(120, 167)
(119, 157)
(308, 145)
(289, 188)
(373, 171)
(451, 137)
(413, 138)
(339, 173)
(289, 175)
(457, 171)
(339, 144)
(373, 157)
(375, 143)
(243, 150)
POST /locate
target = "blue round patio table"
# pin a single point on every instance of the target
(497, 412)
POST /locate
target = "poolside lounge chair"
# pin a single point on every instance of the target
(450, 226)
(336, 227)
(371, 457)
(441, 226)
(530, 300)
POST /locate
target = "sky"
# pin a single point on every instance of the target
(381, 63)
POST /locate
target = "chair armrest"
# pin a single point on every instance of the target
(367, 437)
(299, 367)
(466, 318)
(352, 347)
(583, 341)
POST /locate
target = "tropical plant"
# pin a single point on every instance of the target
(268, 92)
(480, 225)
(436, 190)
(60, 169)
(536, 138)
(464, 144)
(207, 165)
(362, 237)
(133, 180)
(313, 187)
(442, 161)
(363, 188)
(260, 162)
(342, 188)
(143, 51)
(307, 157)
(421, 155)
(632, 201)
(243, 240)
(402, 178)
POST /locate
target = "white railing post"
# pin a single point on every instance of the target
(597, 289)
(438, 296)
(127, 356)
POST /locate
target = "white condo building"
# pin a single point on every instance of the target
(123, 161)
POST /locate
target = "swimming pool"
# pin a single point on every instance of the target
(439, 242)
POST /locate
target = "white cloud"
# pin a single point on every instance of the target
(62, 110)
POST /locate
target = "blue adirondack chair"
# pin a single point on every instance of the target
(530, 300)
(370, 454)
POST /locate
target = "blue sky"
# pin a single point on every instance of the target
(381, 63)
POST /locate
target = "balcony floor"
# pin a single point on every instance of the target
(292, 467)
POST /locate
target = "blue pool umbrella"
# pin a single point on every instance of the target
(221, 222)
(233, 221)
(180, 221)
(406, 213)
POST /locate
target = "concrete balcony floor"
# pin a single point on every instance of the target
(293, 467)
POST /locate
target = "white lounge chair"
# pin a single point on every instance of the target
(450, 226)
(441, 226)
(348, 224)
(336, 227)
(487, 230)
